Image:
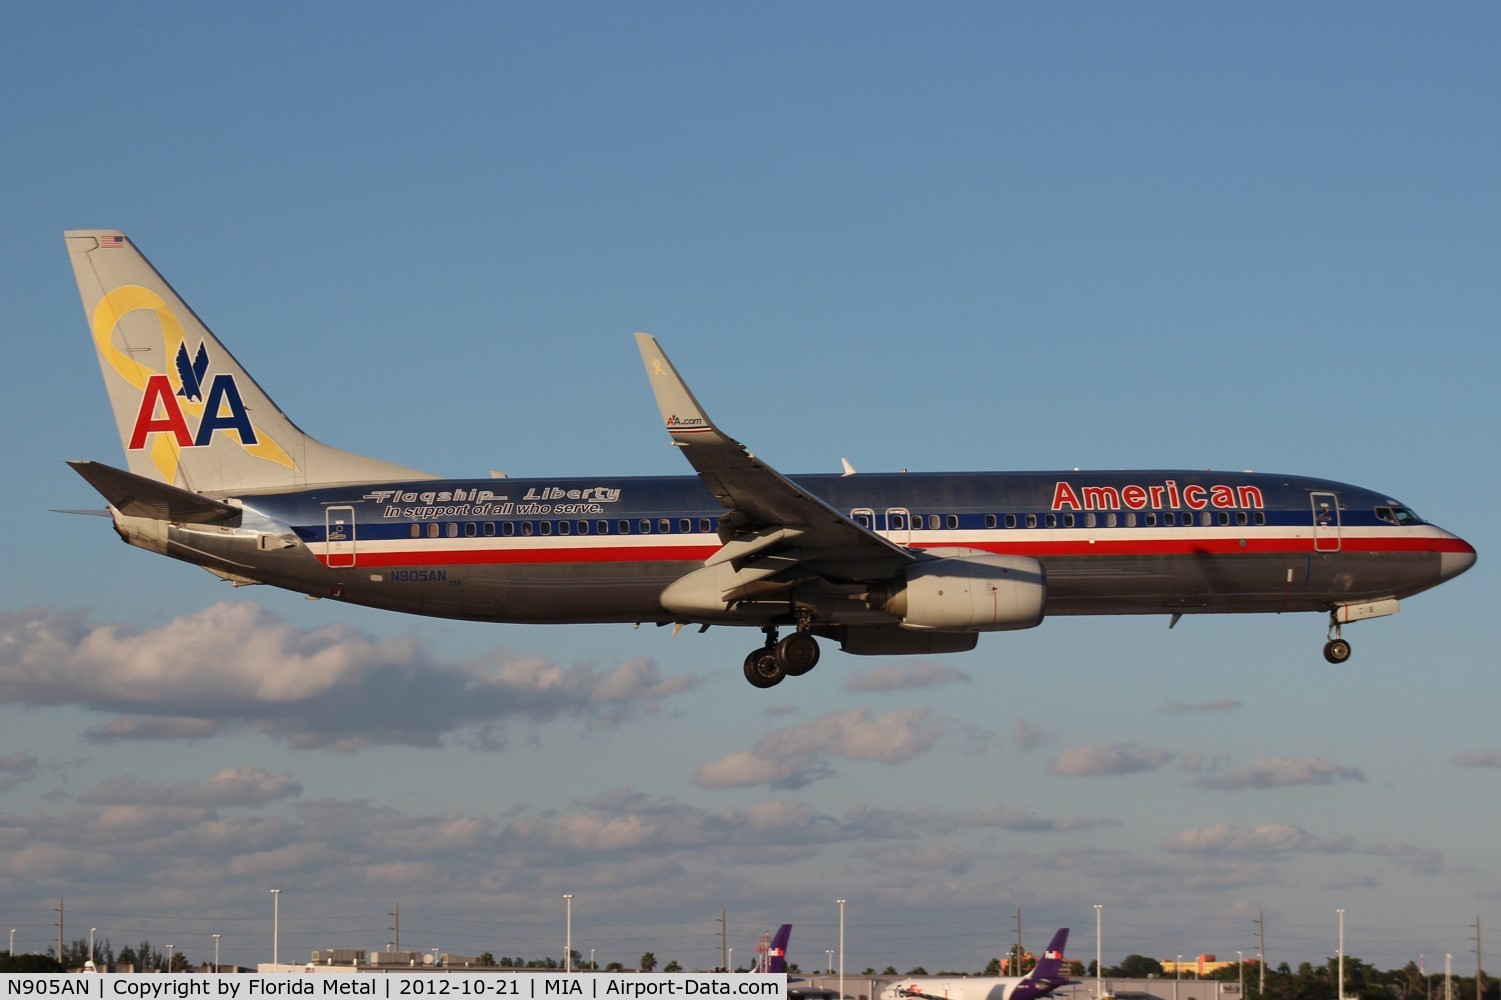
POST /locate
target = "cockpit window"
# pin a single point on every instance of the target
(1397, 514)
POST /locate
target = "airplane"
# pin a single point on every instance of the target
(1040, 982)
(882, 564)
(774, 960)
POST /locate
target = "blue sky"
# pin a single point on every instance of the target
(1003, 236)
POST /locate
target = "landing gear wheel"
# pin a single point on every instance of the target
(797, 654)
(1336, 651)
(762, 669)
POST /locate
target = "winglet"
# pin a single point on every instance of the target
(682, 415)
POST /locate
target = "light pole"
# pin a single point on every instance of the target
(216, 953)
(1099, 989)
(12, 951)
(591, 959)
(1342, 993)
(275, 927)
(830, 953)
(1178, 972)
(841, 948)
(91, 944)
(170, 953)
(1240, 962)
(568, 936)
(731, 960)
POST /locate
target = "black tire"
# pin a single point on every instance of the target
(797, 654)
(762, 669)
(1336, 651)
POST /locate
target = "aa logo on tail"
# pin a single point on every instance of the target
(160, 411)
(163, 423)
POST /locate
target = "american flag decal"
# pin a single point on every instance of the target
(111, 242)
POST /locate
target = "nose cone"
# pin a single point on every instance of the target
(1456, 561)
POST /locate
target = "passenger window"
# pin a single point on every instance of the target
(601, 527)
(1068, 520)
(1170, 518)
(416, 531)
(664, 526)
(933, 522)
(685, 525)
(644, 526)
(1110, 520)
(451, 530)
(470, 529)
(1091, 521)
(1031, 520)
(1224, 518)
(1150, 520)
(706, 525)
(432, 530)
(896, 522)
(564, 527)
(863, 520)
(583, 527)
(544, 527)
(623, 526)
(1241, 518)
(1131, 520)
(526, 527)
(1260, 517)
(1010, 520)
(990, 520)
(508, 528)
(953, 520)
(1051, 520)
(1206, 519)
(489, 529)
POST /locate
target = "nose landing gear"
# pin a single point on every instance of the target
(1336, 650)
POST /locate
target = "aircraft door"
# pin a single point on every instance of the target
(1326, 536)
(899, 525)
(338, 548)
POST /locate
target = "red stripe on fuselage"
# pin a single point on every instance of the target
(1040, 549)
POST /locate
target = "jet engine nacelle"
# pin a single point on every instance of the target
(970, 591)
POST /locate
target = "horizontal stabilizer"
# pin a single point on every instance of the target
(138, 496)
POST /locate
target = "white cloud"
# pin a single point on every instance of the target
(1107, 758)
(236, 665)
(1478, 758)
(1266, 838)
(798, 755)
(1276, 772)
(234, 786)
(17, 768)
(905, 677)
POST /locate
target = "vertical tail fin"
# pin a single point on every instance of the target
(776, 952)
(187, 413)
(1047, 976)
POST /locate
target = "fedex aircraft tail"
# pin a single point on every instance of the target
(1047, 976)
(776, 952)
(188, 414)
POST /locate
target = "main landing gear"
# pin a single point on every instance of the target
(766, 665)
(1336, 650)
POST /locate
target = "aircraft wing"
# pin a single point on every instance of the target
(766, 509)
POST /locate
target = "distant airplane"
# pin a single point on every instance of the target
(883, 564)
(1040, 982)
(774, 960)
